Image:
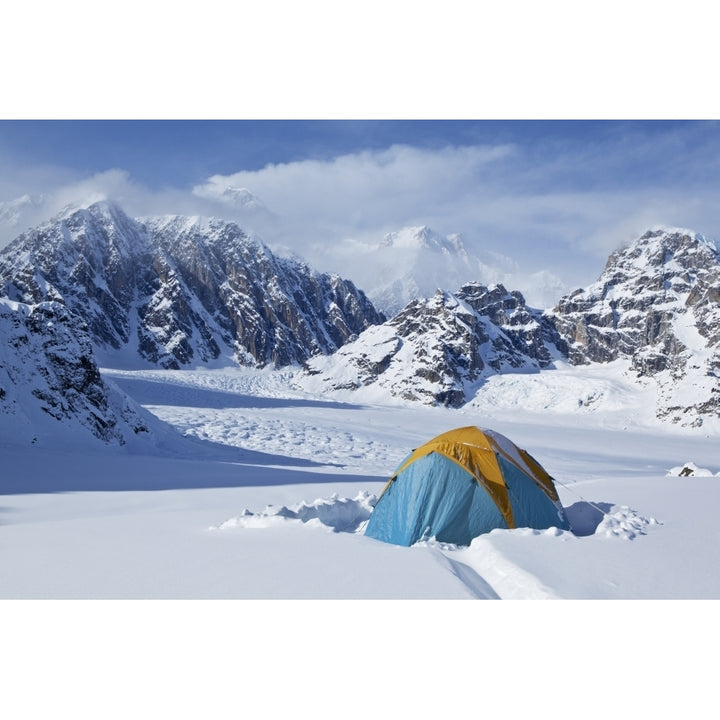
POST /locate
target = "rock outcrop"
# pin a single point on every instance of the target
(436, 350)
(48, 371)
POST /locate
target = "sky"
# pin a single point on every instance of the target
(555, 196)
(533, 140)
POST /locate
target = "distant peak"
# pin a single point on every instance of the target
(236, 197)
(241, 196)
(420, 237)
(660, 231)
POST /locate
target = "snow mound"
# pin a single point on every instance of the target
(340, 514)
(624, 523)
(689, 469)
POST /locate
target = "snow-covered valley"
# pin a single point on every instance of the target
(261, 491)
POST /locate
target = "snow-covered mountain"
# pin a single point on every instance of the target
(50, 383)
(438, 350)
(657, 303)
(176, 290)
(414, 262)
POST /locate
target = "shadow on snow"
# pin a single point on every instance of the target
(584, 517)
(54, 471)
(162, 392)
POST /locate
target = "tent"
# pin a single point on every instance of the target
(461, 484)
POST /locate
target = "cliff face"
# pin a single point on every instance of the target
(178, 290)
(656, 303)
(48, 372)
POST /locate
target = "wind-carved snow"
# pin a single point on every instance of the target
(625, 523)
(340, 514)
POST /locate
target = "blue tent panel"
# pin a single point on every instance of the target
(433, 497)
(530, 505)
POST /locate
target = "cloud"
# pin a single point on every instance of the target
(363, 189)
(559, 205)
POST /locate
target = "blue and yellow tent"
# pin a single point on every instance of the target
(461, 484)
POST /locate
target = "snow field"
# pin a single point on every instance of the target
(277, 465)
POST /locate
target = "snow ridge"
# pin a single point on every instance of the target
(338, 514)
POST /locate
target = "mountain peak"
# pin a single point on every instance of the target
(177, 290)
(666, 249)
(242, 197)
(657, 304)
(660, 230)
(438, 349)
(421, 237)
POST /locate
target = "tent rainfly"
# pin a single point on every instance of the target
(463, 483)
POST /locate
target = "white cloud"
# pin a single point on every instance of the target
(561, 209)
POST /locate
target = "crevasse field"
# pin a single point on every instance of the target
(258, 488)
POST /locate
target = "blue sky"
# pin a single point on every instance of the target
(182, 152)
(557, 196)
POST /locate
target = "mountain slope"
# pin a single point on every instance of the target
(656, 307)
(437, 350)
(176, 291)
(50, 383)
(657, 303)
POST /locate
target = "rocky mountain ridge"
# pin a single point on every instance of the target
(436, 350)
(656, 305)
(176, 290)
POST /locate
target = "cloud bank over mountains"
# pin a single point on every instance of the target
(556, 206)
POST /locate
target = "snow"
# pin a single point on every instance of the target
(261, 495)
(257, 468)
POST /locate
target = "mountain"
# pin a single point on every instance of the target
(655, 307)
(438, 349)
(657, 303)
(414, 262)
(49, 380)
(176, 290)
